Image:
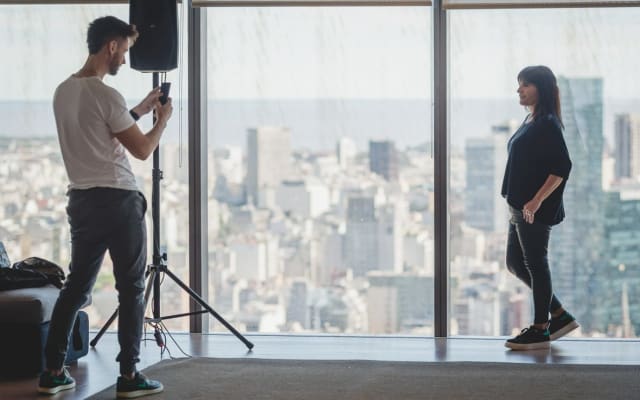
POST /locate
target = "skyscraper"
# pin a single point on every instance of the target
(619, 289)
(390, 227)
(345, 151)
(627, 149)
(361, 239)
(486, 158)
(383, 159)
(268, 154)
(297, 307)
(399, 302)
(577, 244)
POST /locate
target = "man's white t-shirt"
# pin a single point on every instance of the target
(88, 113)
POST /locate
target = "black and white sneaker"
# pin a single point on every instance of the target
(530, 338)
(137, 387)
(52, 384)
(560, 326)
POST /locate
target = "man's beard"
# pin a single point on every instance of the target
(114, 67)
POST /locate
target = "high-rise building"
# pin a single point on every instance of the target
(256, 257)
(577, 244)
(619, 289)
(361, 238)
(345, 151)
(399, 302)
(268, 154)
(383, 159)
(374, 237)
(297, 303)
(390, 226)
(304, 198)
(173, 162)
(486, 159)
(330, 258)
(418, 253)
(627, 149)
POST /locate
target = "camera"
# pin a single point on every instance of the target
(164, 88)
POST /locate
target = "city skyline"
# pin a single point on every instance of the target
(252, 246)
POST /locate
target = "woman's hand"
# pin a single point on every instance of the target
(529, 210)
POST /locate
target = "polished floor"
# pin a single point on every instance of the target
(98, 369)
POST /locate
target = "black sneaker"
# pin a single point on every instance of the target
(137, 387)
(530, 338)
(52, 384)
(560, 326)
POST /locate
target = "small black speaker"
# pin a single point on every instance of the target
(156, 49)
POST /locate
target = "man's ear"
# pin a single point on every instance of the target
(113, 47)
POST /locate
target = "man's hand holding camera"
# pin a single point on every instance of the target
(149, 102)
(163, 111)
(152, 102)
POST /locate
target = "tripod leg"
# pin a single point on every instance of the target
(104, 328)
(199, 299)
(115, 313)
(147, 292)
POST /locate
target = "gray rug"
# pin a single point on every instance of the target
(244, 379)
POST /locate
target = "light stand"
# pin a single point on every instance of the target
(159, 265)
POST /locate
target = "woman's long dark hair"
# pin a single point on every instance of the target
(548, 93)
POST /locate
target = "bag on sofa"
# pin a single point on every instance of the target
(51, 270)
(11, 279)
(31, 272)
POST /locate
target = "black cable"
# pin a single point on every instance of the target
(175, 341)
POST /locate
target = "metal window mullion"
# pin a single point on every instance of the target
(197, 128)
(310, 3)
(61, 2)
(441, 171)
(514, 4)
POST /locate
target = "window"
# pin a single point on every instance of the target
(41, 49)
(593, 253)
(320, 169)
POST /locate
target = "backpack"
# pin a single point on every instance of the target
(31, 272)
(11, 278)
(51, 270)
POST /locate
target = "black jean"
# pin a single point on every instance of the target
(527, 248)
(103, 219)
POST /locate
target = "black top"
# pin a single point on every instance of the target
(536, 150)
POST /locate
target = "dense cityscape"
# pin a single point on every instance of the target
(341, 240)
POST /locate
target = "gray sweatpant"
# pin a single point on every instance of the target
(103, 219)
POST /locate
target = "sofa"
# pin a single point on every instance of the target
(24, 324)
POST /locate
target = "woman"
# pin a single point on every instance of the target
(535, 177)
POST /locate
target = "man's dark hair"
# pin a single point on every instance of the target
(106, 29)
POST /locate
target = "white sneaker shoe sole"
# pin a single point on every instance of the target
(528, 346)
(564, 330)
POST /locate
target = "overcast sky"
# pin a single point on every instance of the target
(340, 52)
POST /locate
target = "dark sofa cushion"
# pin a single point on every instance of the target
(29, 305)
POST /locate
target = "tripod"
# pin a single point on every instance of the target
(159, 266)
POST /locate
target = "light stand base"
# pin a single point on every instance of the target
(153, 272)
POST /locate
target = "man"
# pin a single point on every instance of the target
(105, 208)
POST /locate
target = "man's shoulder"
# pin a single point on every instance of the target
(109, 93)
(94, 84)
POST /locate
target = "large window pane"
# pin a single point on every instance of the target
(42, 45)
(320, 169)
(594, 252)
